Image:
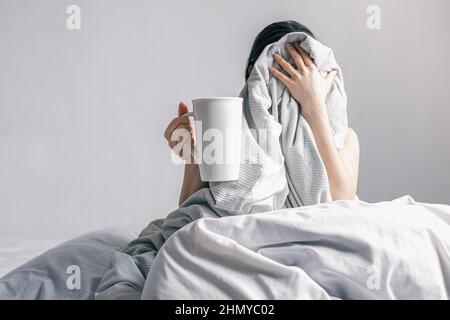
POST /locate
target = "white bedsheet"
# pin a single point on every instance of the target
(346, 249)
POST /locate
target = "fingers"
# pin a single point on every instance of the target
(298, 60)
(330, 78)
(174, 124)
(330, 75)
(180, 132)
(182, 108)
(183, 113)
(180, 122)
(181, 142)
(183, 118)
(305, 56)
(183, 133)
(280, 76)
(285, 65)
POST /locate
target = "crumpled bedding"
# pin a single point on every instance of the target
(47, 275)
(16, 250)
(340, 250)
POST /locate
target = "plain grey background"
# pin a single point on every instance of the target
(82, 113)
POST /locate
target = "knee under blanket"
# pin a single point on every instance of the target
(338, 250)
(289, 173)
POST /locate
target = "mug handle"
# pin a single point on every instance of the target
(195, 151)
(189, 114)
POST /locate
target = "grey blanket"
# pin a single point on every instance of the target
(281, 165)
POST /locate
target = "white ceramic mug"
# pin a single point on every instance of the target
(218, 137)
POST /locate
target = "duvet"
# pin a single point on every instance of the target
(338, 250)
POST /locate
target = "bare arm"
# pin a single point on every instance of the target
(191, 182)
(341, 176)
(310, 89)
(191, 179)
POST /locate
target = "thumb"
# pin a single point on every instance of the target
(182, 108)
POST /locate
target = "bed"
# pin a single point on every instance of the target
(339, 250)
(14, 251)
(42, 269)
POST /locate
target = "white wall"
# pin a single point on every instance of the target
(82, 112)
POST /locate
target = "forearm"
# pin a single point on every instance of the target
(342, 184)
(191, 182)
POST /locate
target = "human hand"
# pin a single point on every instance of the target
(180, 133)
(305, 83)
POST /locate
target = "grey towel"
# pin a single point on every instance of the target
(273, 113)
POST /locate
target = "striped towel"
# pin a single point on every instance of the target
(291, 173)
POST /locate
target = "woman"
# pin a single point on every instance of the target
(309, 89)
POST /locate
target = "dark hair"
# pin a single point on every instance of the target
(273, 33)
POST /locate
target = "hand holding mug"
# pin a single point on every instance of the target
(180, 133)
